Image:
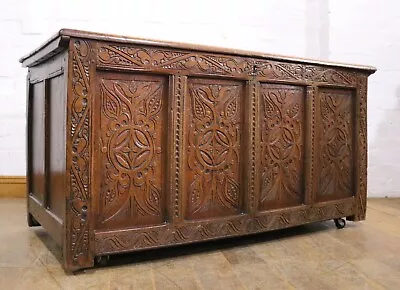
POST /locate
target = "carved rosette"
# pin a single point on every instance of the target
(77, 246)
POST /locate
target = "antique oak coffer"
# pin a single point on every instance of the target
(136, 144)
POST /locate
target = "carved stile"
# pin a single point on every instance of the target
(362, 150)
(179, 89)
(77, 249)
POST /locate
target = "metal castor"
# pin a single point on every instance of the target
(340, 223)
(102, 260)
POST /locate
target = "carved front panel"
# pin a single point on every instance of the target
(335, 144)
(213, 114)
(133, 126)
(282, 141)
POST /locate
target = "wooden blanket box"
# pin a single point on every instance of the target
(135, 144)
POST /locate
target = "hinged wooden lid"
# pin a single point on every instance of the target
(60, 40)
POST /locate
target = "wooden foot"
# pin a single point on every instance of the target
(32, 222)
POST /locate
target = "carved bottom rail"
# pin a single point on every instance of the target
(164, 235)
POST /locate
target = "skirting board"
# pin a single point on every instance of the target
(12, 186)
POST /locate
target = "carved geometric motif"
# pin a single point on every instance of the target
(213, 119)
(335, 144)
(132, 123)
(282, 141)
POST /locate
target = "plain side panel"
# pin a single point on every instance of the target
(335, 146)
(57, 142)
(38, 141)
(282, 119)
(133, 125)
(212, 132)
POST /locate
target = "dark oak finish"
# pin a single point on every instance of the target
(136, 144)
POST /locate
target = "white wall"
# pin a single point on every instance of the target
(327, 29)
(367, 31)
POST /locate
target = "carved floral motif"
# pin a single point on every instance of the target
(282, 144)
(213, 139)
(336, 149)
(131, 150)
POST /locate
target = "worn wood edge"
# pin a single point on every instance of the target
(163, 235)
(67, 33)
(53, 46)
(12, 186)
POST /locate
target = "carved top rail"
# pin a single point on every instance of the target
(121, 52)
(203, 63)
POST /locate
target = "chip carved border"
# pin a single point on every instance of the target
(253, 182)
(310, 185)
(179, 87)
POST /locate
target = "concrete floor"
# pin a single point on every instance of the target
(364, 255)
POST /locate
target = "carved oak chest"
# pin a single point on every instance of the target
(135, 144)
